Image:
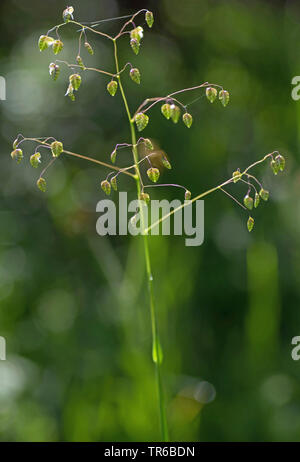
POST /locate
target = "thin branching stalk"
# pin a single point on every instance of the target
(156, 348)
(204, 194)
(139, 119)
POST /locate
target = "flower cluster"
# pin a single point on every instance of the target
(55, 147)
(171, 106)
(47, 41)
(254, 194)
(144, 150)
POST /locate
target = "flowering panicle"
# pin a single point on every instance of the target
(250, 201)
(172, 108)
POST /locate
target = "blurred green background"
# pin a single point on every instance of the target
(73, 306)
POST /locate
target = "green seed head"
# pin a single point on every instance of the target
(175, 113)
(41, 184)
(250, 224)
(236, 176)
(89, 48)
(45, 42)
(57, 46)
(274, 166)
(35, 159)
(135, 75)
(75, 81)
(153, 174)
(224, 97)
(264, 194)
(145, 197)
(137, 33)
(187, 119)
(149, 18)
(248, 202)
(113, 183)
(80, 62)
(54, 70)
(105, 185)
(148, 144)
(68, 14)
(211, 94)
(166, 110)
(56, 148)
(135, 45)
(166, 163)
(256, 200)
(187, 195)
(112, 87)
(17, 155)
(280, 160)
(141, 121)
(70, 92)
(113, 156)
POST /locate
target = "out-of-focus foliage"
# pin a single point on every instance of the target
(73, 306)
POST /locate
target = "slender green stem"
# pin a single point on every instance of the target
(156, 348)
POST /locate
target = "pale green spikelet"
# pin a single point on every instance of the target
(137, 33)
(280, 160)
(148, 144)
(105, 185)
(224, 97)
(141, 121)
(113, 156)
(113, 183)
(256, 200)
(250, 224)
(145, 197)
(41, 184)
(166, 163)
(166, 110)
(135, 75)
(135, 45)
(153, 174)
(112, 87)
(248, 202)
(149, 18)
(56, 148)
(80, 62)
(274, 166)
(17, 154)
(54, 70)
(68, 14)
(44, 42)
(57, 46)
(264, 194)
(236, 175)
(35, 159)
(211, 94)
(70, 92)
(175, 113)
(187, 119)
(75, 81)
(187, 195)
(89, 48)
